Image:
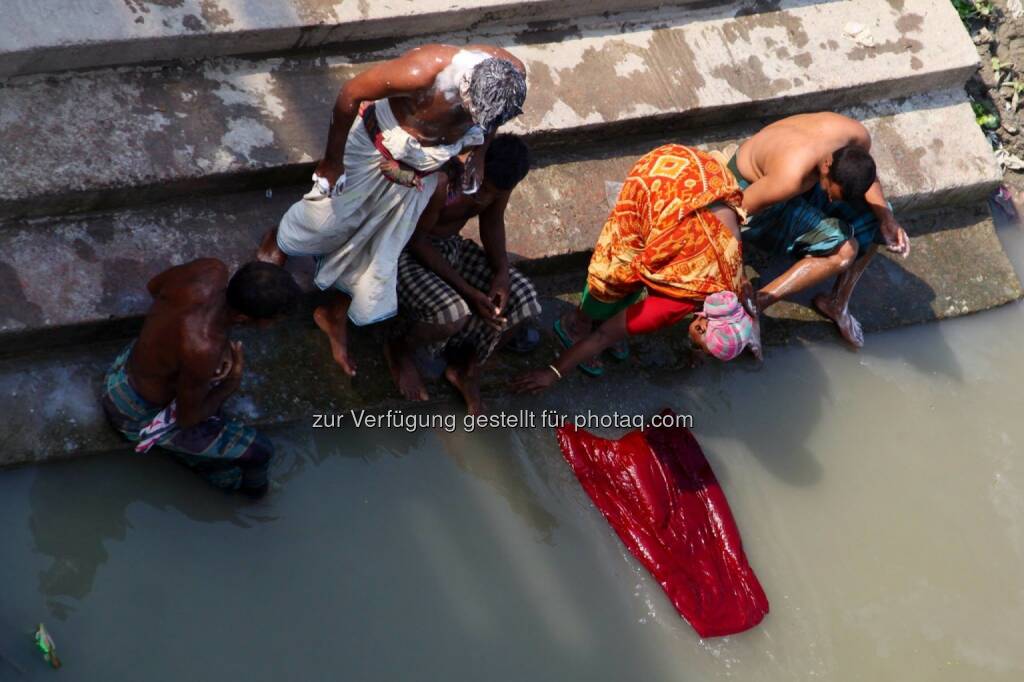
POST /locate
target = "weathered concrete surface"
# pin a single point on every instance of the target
(229, 124)
(78, 278)
(50, 410)
(54, 36)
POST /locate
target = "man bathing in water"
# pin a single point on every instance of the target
(674, 234)
(167, 387)
(462, 299)
(811, 187)
(393, 128)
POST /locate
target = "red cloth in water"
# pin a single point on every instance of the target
(661, 497)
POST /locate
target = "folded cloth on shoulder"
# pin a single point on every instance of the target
(357, 235)
(660, 495)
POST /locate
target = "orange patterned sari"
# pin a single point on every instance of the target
(662, 235)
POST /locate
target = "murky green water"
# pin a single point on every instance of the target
(880, 496)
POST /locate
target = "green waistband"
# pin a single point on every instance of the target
(734, 168)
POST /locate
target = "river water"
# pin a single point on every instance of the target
(880, 496)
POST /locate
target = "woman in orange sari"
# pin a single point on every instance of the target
(674, 235)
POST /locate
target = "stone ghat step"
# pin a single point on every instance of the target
(131, 136)
(57, 35)
(82, 278)
(49, 399)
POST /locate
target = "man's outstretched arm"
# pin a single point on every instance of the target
(895, 236)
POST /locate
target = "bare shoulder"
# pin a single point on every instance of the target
(194, 281)
(499, 53)
(433, 56)
(202, 347)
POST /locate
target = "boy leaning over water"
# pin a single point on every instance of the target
(167, 387)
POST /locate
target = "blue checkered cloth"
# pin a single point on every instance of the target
(810, 224)
(226, 453)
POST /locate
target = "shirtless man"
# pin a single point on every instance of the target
(811, 189)
(462, 299)
(167, 387)
(393, 128)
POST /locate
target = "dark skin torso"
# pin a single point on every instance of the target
(183, 347)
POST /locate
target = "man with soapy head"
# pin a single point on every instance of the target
(398, 131)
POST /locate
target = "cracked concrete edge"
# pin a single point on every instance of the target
(50, 399)
(231, 124)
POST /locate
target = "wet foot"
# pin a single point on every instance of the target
(404, 372)
(467, 381)
(848, 325)
(337, 332)
(268, 252)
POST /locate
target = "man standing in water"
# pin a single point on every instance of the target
(810, 186)
(393, 128)
(462, 298)
(167, 387)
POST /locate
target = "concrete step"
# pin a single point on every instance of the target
(81, 278)
(57, 36)
(49, 399)
(122, 137)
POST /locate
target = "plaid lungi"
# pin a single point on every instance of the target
(425, 297)
(226, 453)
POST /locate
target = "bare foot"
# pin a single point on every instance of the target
(268, 251)
(849, 327)
(404, 372)
(337, 332)
(467, 380)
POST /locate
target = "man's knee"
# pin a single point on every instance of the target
(846, 254)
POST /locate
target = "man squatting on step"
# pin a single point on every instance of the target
(811, 189)
(674, 235)
(394, 127)
(456, 297)
(166, 388)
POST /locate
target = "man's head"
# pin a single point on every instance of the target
(497, 90)
(724, 328)
(507, 161)
(262, 292)
(848, 174)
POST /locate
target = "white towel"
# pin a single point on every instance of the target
(357, 235)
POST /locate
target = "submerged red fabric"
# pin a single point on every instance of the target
(659, 494)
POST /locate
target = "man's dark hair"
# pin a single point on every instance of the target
(853, 170)
(262, 291)
(507, 161)
(497, 90)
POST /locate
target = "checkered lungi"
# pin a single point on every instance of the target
(425, 297)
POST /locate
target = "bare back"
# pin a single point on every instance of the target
(185, 330)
